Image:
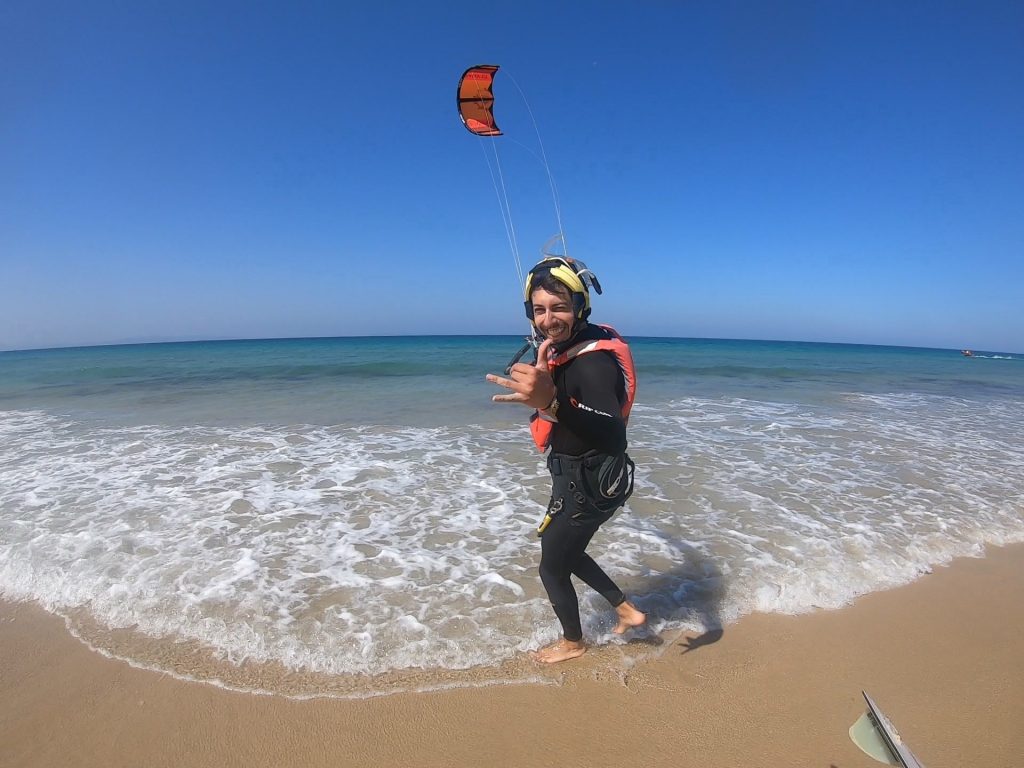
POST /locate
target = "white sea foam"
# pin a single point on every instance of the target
(800, 508)
(349, 550)
(368, 550)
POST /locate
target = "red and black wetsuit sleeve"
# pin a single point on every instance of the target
(591, 391)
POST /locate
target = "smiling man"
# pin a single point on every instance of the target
(582, 387)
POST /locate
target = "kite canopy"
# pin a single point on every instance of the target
(476, 100)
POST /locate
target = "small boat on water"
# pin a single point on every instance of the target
(966, 353)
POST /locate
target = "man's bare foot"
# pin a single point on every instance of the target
(629, 617)
(563, 650)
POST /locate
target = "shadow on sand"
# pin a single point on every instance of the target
(692, 593)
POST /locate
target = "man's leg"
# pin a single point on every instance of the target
(562, 545)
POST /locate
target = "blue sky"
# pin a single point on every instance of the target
(832, 171)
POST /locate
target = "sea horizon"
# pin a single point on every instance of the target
(226, 339)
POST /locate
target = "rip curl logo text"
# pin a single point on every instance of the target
(582, 406)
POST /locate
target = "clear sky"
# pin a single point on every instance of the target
(822, 171)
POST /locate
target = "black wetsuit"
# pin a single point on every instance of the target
(589, 438)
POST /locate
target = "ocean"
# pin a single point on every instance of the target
(354, 516)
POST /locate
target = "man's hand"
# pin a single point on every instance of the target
(531, 385)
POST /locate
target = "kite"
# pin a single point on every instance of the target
(476, 100)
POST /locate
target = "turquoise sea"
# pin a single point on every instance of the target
(352, 516)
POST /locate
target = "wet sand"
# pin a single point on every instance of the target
(942, 656)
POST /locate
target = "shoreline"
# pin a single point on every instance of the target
(939, 655)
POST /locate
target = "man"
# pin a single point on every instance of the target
(582, 387)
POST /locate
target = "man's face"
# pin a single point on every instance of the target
(552, 314)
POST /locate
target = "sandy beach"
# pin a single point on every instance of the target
(941, 656)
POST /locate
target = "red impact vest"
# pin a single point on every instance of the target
(540, 427)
